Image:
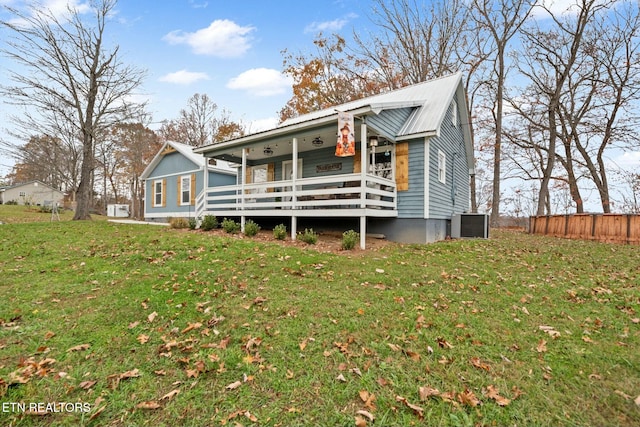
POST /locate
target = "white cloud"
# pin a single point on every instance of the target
(261, 82)
(628, 160)
(183, 77)
(223, 38)
(262, 124)
(329, 26)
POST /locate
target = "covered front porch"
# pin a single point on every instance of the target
(291, 177)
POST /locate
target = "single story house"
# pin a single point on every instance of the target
(175, 176)
(34, 193)
(397, 163)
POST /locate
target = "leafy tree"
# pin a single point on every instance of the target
(71, 82)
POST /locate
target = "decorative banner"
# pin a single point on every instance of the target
(346, 145)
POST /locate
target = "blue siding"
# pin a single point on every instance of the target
(389, 122)
(173, 163)
(453, 196)
(411, 201)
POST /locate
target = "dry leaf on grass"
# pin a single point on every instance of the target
(152, 317)
(152, 404)
(426, 392)
(233, 385)
(492, 393)
(416, 409)
(80, 347)
(171, 394)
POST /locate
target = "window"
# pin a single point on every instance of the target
(454, 113)
(442, 167)
(158, 193)
(185, 190)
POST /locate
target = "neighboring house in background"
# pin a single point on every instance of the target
(401, 167)
(175, 176)
(34, 193)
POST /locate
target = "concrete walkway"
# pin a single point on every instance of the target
(133, 221)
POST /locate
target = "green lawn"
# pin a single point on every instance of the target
(134, 325)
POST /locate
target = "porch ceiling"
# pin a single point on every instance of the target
(282, 145)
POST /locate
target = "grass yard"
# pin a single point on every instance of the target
(125, 325)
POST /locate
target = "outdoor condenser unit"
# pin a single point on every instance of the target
(470, 225)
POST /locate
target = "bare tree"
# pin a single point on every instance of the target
(200, 124)
(548, 59)
(500, 20)
(73, 80)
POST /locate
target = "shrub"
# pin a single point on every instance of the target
(309, 236)
(280, 232)
(209, 222)
(178, 223)
(230, 226)
(349, 239)
(251, 228)
(192, 223)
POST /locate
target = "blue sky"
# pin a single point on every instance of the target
(230, 50)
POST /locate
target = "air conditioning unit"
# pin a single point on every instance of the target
(470, 225)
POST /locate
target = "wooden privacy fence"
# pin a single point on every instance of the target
(613, 228)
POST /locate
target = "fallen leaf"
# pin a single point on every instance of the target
(637, 400)
(379, 270)
(444, 343)
(142, 338)
(477, 363)
(152, 404)
(416, 409)
(303, 345)
(550, 330)
(366, 414)
(412, 355)
(86, 385)
(97, 411)
(341, 378)
(80, 347)
(468, 397)
(171, 394)
(587, 339)
(152, 317)
(426, 392)
(492, 393)
(191, 327)
(234, 385)
(542, 346)
(368, 399)
(49, 335)
(360, 422)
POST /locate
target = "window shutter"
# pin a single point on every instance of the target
(193, 189)
(179, 185)
(247, 179)
(164, 193)
(271, 175)
(402, 166)
(357, 167)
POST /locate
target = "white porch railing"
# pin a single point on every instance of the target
(341, 192)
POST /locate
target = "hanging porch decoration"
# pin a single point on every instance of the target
(346, 145)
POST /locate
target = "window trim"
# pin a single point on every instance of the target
(181, 182)
(442, 167)
(158, 194)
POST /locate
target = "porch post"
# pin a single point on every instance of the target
(243, 181)
(205, 184)
(294, 173)
(294, 196)
(363, 164)
(363, 182)
(294, 226)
